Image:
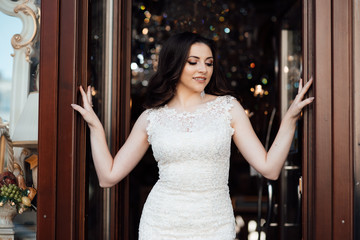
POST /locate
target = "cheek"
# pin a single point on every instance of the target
(186, 74)
(188, 70)
(211, 71)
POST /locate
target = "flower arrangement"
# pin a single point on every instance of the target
(14, 191)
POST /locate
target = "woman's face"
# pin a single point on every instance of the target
(197, 70)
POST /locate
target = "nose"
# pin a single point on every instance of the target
(202, 67)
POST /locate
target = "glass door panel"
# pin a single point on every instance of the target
(290, 72)
(100, 35)
(248, 35)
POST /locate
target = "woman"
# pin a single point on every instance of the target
(190, 122)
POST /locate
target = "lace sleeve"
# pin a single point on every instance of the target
(228, 105)
(150, 122)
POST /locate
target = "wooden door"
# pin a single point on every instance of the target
(328, 125)
(328, 163)
(63, 148)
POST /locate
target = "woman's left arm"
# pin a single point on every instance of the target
(269, 163)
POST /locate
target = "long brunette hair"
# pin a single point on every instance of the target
(172, 59)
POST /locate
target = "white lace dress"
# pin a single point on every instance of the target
(191, 198)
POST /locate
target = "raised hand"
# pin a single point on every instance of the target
(87, 111)
(299, 102)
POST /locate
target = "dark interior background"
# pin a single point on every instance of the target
(247, 34)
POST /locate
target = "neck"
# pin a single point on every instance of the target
(185, 100)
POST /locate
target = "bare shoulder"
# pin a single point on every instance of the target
(142, 121)
(237, 111)
(236, 104)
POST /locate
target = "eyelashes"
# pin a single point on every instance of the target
(207, 64)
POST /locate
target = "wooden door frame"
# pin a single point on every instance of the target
(356, 117)
(48, 99)
(121, 107)
(62, 135)
(63, 61)
(343, 163)
(328, 131)
(328, 124)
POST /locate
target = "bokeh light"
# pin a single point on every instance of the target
(134, 66)
(145, 31)
(147, 14)
(264, 80)
(286, 69)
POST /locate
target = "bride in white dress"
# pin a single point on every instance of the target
(190, 133)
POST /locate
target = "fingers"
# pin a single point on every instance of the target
(299, 102)
(86, 97)
(89, 96)
(307, 101)
(78, 108)
(300, 85)
(86, 110)
(83, 95)
(303, 89)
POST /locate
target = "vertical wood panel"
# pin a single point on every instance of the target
(342, 135)
(81, 78)
(308, 190)
(49, 42)
(323, 122)
(115, 217)
(356, 117)
(65, 206)
(331, 193)
(122, 107)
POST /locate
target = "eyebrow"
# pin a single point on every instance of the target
(199, 58)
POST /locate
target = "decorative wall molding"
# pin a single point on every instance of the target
(29, 14)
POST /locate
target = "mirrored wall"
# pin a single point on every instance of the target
(19, 101)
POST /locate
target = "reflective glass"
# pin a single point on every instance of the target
(248, 37)
(100, 78)
(19, 102)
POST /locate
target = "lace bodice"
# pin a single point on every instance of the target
(190, 145)
(192, 150)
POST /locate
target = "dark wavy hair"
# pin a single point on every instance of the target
(172, 59)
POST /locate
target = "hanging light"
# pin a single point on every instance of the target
(258, 91)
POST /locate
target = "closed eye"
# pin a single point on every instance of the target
(207, 64)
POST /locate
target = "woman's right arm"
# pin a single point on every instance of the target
(112, 170)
